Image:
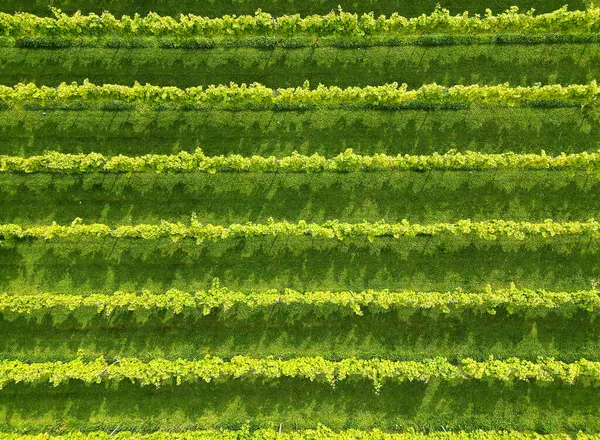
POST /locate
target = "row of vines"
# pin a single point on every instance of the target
(159, 372)
(347, 161)
(256, 96)
(486, 230)
(242, 305)
(335, 23)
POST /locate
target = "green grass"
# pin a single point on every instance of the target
(227, 198)
(380, 335)
(521, 130)
(300, 404)
(448, 65)
(213, 8)
(103, 266)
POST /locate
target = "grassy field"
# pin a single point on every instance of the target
(91, 264)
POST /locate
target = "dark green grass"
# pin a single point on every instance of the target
(383, 336)
(328, 132)
(227, 198)
(448, 65)
(217, 8)
(103, 266)
(301, 404)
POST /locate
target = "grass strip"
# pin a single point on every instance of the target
(243, 305)
(277, 7)
(301, 404)
(328, 132)
(342, 24)
(287, 333)
(348, 161)
(522, 65)
(300, 41)
(256, 96)
(485, 230)
(226, 198)
(159, 372)
(317, 434)
(91, 265)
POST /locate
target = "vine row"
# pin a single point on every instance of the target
(184, 162)
(337, 23)
(238, 304)
(256, 96)
(159, 372)
(486, 230)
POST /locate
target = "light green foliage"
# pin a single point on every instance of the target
(159, 372)
(184, 162)
(257, 96)
(243, 304)
(486, 230)
(335, 23)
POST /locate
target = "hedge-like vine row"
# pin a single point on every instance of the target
(257, 96)
(184, 162)
(321, 433)
(333, 24)
(319, 303)
(159, 372)
(487, 230)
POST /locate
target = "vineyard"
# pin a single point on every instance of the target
(267, 219)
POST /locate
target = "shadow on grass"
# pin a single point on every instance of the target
(335, 337)
(105, 265)
(302, 404)
(354, 197)
(329, 132)
(522, 65)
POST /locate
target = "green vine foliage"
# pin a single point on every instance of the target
(348, 161)
(332, 229)
(256, 96)
(337, 23)
(296, 305)
(160, 372)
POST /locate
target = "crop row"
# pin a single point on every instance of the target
(338, 23)
(184, 162)
(321, 433)
(159, 372)
(257, 96)
(242, 305)
(487, 230)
